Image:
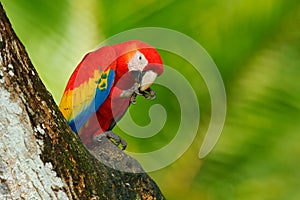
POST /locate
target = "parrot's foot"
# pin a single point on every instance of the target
(113, 137)
(148, 94)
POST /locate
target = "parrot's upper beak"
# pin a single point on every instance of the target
(147, 79)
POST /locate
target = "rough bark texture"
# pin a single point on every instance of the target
(40, 157)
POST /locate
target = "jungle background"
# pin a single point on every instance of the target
(256, 46)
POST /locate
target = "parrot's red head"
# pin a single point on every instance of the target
(141, 60)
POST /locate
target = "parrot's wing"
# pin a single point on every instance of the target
(88, 86)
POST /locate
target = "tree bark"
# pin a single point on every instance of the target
(40, 157)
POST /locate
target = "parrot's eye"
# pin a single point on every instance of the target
(140, 57)
(137, 62)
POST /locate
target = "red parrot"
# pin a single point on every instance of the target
(103, 86)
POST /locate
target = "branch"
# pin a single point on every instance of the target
(40, 156)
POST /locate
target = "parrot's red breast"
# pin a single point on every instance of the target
(96, 96)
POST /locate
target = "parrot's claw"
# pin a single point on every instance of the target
(113, 137)
(138, 92)
(149, 94)
(133, 98)
(152, 93)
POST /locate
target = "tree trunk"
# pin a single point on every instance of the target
(40, 157)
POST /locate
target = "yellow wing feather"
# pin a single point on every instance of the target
(74, 101)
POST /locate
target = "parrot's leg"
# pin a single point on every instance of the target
(111, 135)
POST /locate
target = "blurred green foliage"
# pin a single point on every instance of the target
(255, 44)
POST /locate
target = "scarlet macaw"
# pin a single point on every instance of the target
(103, 86)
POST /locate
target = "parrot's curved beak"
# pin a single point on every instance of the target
(149, 74)
(144, 78)
(147, 79)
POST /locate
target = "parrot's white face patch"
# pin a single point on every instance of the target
(147, 80)
(137, 62)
